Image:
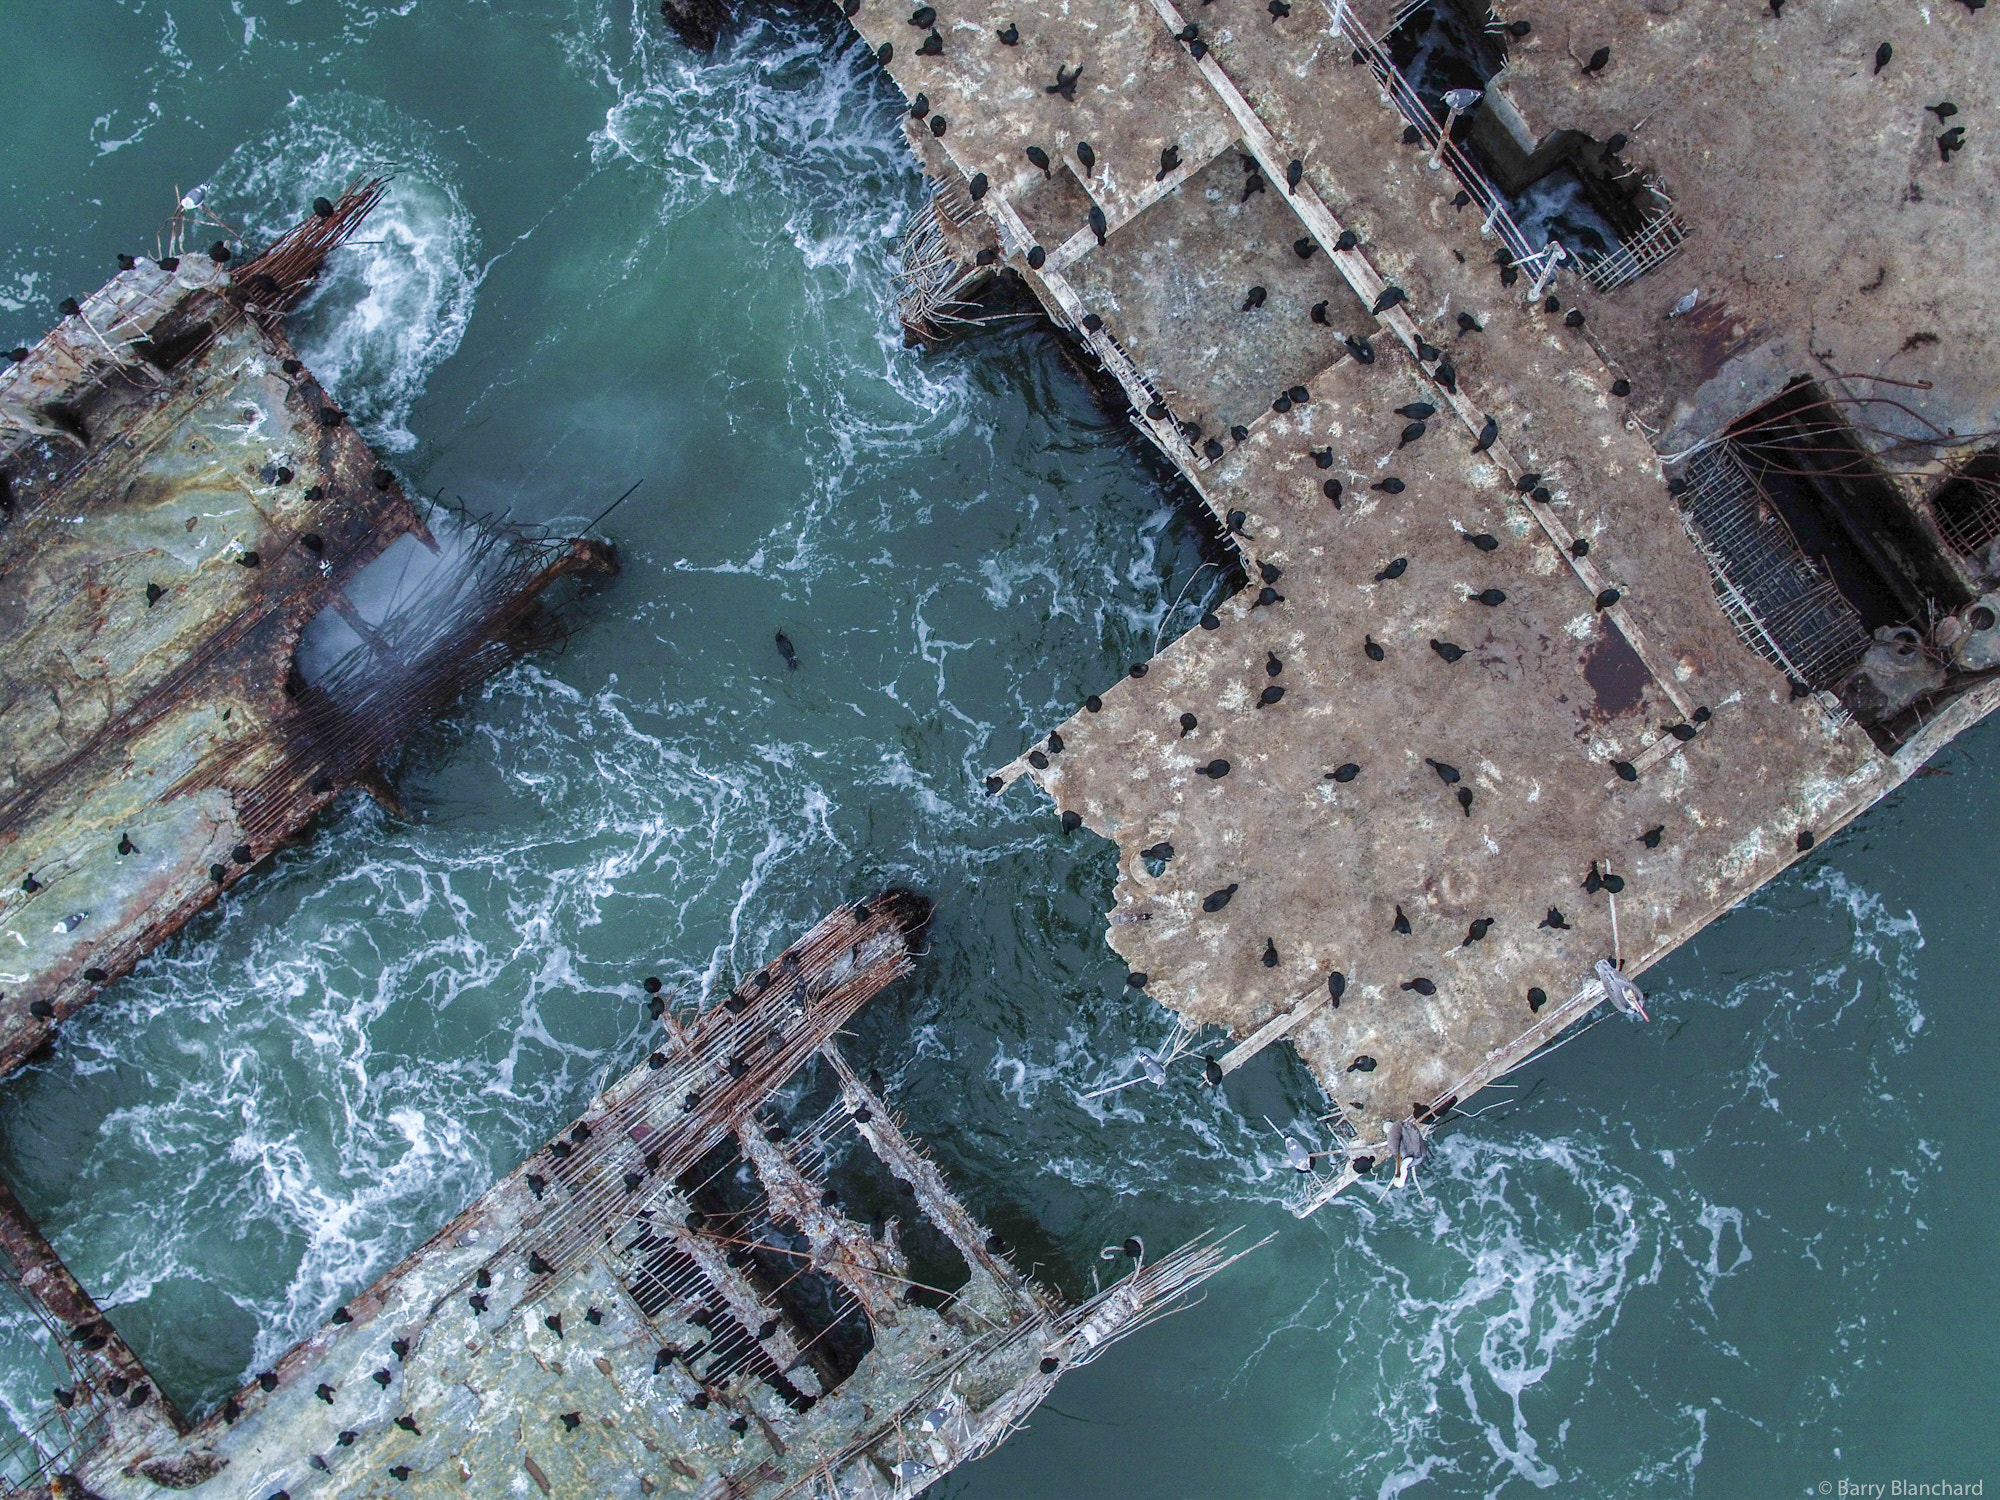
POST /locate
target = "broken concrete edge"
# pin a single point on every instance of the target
(1015, 1338)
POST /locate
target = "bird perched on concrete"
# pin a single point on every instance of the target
(1211, 1072)
(1215, 770)
(1010, 35)
(1188, 722)
(1952, 140)
(1087, 157)
(1372, 648)
(1270, 695)
(924, 17)
(1555, 919)
(1651, 837)
(1279, 9)
(1364, 1063)
(1488, 435)
(1322, 458)
(1360, 348)
(1098, 226)
(1214, 901)
(1270, 958)
(1602, 56)
(1170, 160)
(1421, 985)
(1469, 324)
(1411, 433)
(1295, 173)
(1448, 774)
(1065, 83)
(1272, 666)
(884, 54)
(1304, 246)
(1401, 924)
(1392, 296)
(1395, 569)
(1332, 489)
(932, 46)
(1446, 649)
(1318, 315)
(1389, 486)
(1254, 298)
(1491, 598)
(1417, 411)
(1344, 773)
(1446, 376)
(1476, 933)
(1347, 240)
(1039, 157)
(1882, 55)
(1606, 598)
(1465, 800)
(1623, 994)
(1944, 110)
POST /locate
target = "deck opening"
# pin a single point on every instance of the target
(1967, 507)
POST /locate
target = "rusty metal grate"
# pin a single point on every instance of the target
(1967, 506)
(1654, 245)
(1782, 603)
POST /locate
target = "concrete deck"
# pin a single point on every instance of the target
(1607, 716)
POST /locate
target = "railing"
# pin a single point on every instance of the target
(1655, 244)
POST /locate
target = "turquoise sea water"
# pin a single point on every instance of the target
(1739, 1252)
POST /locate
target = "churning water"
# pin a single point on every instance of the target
(1737, 1252)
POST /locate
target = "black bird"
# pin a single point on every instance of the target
(125, 844)
(1392, 296)
(1319, 316)
(1447, 774)
(1197, 49)
(1943, 110)
(1651, 837)
(1332, 489)
(1097, 225)
(1215, 770)
(553, 1322)
(924, 17)
(1170, 158)
(1417, 411)
(1323, 458)
(1360, 348)
(1299, 395)
(1573, 318)
(1251, 184)
(1242, 435)
(409, 1424)
(885, 53)
(1065, 83)
(1040, 158)
(571, 1420)
(1421, 985)
(1255, 298)
(69, 307)
(1882, 55)
(1683, 732)
(1279, 10)
(1579, 546)
(1270, 695)
(1211, 1071)
(1446, 376)
(1401, 924)
(1363, 1063)
(400, 1348)
(1088, 157)
(1411, 433)
(788, 651)
(1281, 404)
(1188, 722)
(1389, 486)
(317, 1462)
(1295, 173)
(1488, 435)
(1272, 666)
(938, 126)
(1212, 449)
(1162, 851)
(1537, 997)
(1347, 241)
(1606, 598)
(1236, 519)
(1270, 959)
(1626, 770)
(1488, 597)
(1465, 800)
(1556, 919)
(1187, 33)
(478, 1301)
(1336, 986)
(1372, 648)
(325, 1393)
(1010, 36)
(932, 46)
(1037, 257)
(1304, 246)
(382, 1378)
(1477, 931)
(1348, 772)
(1952, 140)
(1603, 55)
(1446, 649)
(1593, 882)
(1214, 901)
(977, 186)
(1616, 144)
(1396, 569)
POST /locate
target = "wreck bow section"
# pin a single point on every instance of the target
(181, 505)
(1519, 684)
(734, 1276)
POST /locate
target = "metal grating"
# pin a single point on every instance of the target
(1658, 242)
(1968, 507)
(1783, 604)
